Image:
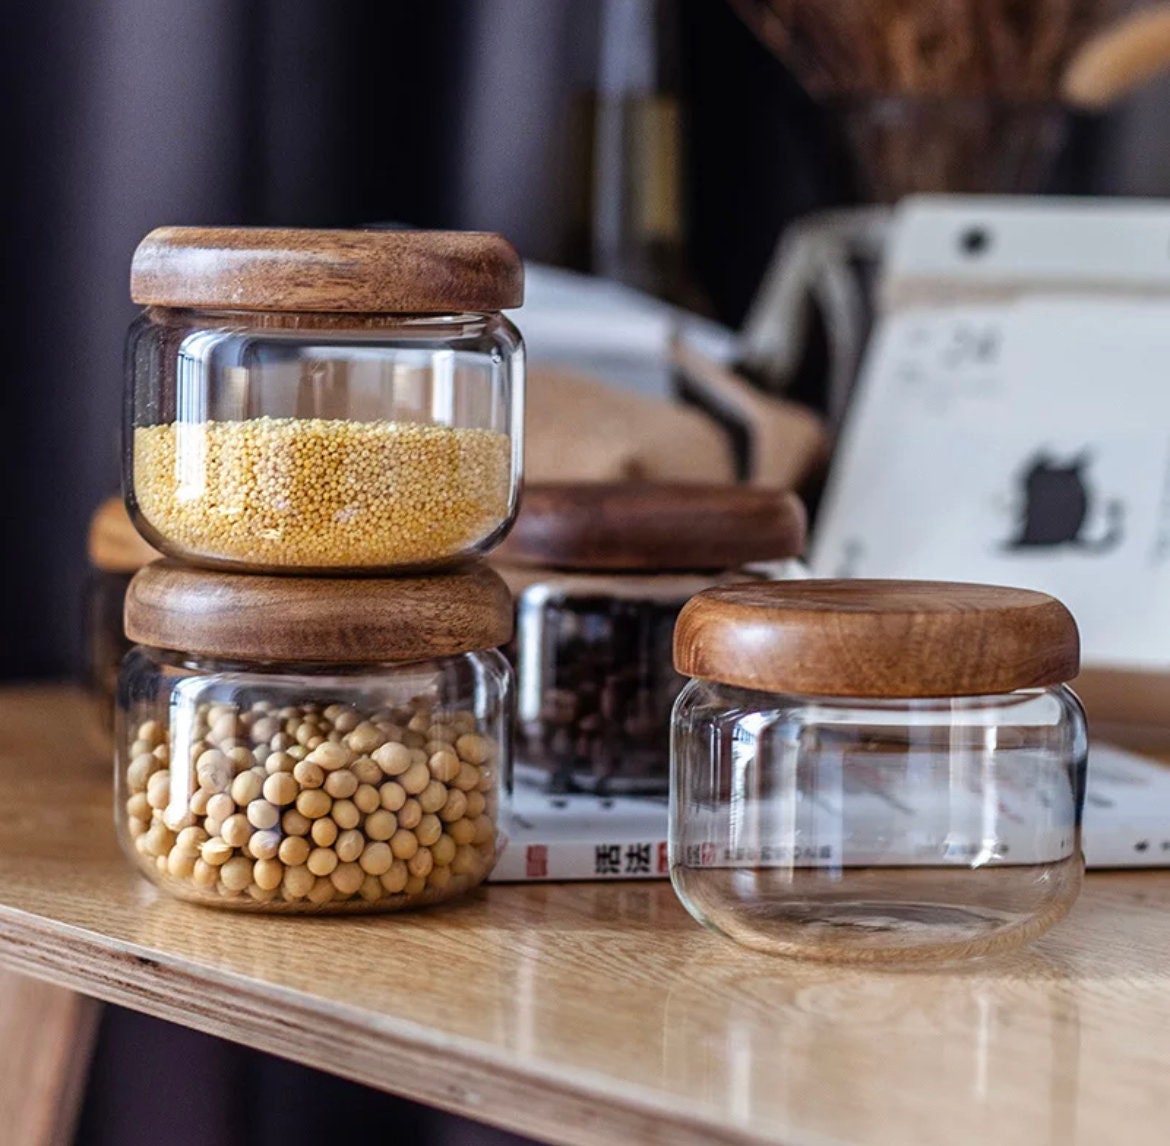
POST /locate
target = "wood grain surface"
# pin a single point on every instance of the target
(332, 620)
(653, 526)
(295, 269)
(115, 546)
(1127, 706)
(600, 1013)
(47, 1035)
(877, 638)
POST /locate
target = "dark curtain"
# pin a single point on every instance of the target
(152, 1082)
(125, 114)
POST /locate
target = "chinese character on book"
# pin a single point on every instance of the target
(638, 859)
(608, 859)
(663, 861)
(536, 861)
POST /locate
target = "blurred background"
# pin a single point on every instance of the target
(673, 146)
(663, 143)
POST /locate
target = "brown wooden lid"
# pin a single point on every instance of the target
(877, 638)
(330, 620)
(646, 526)
(114, 544)
(291, 269)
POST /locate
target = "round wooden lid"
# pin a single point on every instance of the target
(114, 544)
(291, 269)
(652, 527)
(877, 638)
(327, 620)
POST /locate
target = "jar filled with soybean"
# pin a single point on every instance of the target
(600, 572)
(314, 745)
(323, 402)
(877, 771)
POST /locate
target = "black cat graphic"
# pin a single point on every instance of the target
(1056, 503)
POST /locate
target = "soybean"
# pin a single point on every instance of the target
(314, 806)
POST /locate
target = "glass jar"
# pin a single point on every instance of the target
(867, 771)
(116, 553)
(594, 624)
(315, 744)
(323, 401)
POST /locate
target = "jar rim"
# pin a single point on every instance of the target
(215, 665)
(892, 703)
(244, 319)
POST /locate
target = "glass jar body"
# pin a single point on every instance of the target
(325, 443)
(297, 788)
(595, 679)
(869, 831)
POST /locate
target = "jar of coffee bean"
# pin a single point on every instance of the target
(314, 745)
(600, 572)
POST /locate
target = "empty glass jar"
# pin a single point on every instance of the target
(323, 401)
(877, 771)
(595, 621)
(303, 745)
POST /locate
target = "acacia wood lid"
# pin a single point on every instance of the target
(653, 527)
(872, 639)
(115, 546)
(328, 620)
(294, 269)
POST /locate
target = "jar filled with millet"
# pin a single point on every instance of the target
(323, 402)
(314, 744)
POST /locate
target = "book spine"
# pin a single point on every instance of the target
(559, 861)
(1133, 849)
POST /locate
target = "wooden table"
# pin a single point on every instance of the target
(599, 1013)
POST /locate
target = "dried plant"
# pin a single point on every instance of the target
(936, 95)
(1010, 49)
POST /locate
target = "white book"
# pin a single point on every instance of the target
(1127, 810)
(586, 837)
(582, 836)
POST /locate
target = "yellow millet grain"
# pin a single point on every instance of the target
(318, 493)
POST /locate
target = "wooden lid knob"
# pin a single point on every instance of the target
(328, 620)
(114, 544)
(653, 527)
(291, 269)
(877, 638)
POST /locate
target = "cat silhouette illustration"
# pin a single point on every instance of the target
(1056, 505)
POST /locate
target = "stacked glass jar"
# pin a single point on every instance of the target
(600, 572)
(324, 430)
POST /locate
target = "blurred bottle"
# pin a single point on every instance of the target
(638, 214)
